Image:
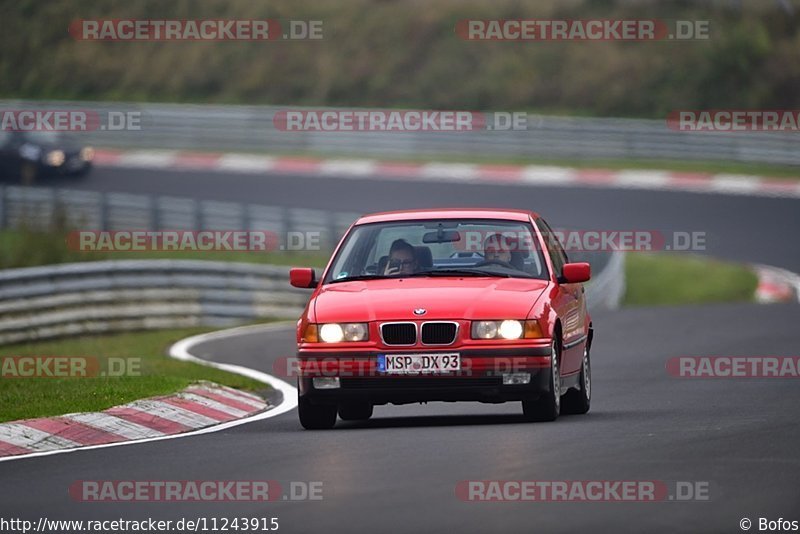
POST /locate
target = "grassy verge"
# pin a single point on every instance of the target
(22, 398)
(673, 279)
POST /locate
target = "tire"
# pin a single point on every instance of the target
(578, 401)
(355, 411)
(316, 416)
(548, 406)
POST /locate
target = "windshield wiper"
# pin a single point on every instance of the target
(360, 277)
(461, 272)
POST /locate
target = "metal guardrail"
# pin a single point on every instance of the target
(250, 128)
(108, 296)
(88, 210)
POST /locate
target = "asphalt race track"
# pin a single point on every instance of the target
(398, 472)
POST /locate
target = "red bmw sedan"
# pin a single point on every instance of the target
(444, 305)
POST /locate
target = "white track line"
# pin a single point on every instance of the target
(180, 351)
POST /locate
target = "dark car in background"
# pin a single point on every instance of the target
(28, 156)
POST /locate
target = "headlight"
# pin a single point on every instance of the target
(510, 330)
(484, 329)
(334, 332)
(87, 153)
(507, 329)
(55, 158)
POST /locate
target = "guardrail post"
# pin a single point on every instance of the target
(155, 214)
(199, 215)
(246, 217)
(333, 231)
(105, 224)
(3, 207)
(286, 222)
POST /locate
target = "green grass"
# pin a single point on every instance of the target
(22, 398)
(676, 279)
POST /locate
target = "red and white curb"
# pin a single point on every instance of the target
(776, 285)
(199, 409)
(453, 172)
(196, 407)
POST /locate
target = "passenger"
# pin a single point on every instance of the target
(497, 248)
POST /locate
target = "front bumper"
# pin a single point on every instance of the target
(481, 377)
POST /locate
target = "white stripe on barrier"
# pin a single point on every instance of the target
(535, 174)
(245, 163)
(347, 168)
(223, 392)
(449, 171)
(214, 405)
(114, 425)
(32, 438)
(643, 179)
(147, 159)
(172, 413)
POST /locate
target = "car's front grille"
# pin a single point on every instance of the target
(419, 382)
(438, 333)
(399, 333)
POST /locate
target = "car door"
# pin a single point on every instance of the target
(569, 304)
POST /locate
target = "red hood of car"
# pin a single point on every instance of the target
(443, 298)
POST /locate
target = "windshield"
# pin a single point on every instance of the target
(447, 247)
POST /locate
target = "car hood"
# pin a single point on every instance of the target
(442, 298)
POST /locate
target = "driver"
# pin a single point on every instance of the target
(497, 247)
(402, 259)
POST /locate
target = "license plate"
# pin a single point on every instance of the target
(404, 364)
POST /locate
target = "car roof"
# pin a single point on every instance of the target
(447, 213)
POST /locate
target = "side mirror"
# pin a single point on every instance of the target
(303, 277)
(575, 273)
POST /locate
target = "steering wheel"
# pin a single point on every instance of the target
(495, 262)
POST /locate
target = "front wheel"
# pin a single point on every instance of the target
(578, 401)
(548, 405)
(316, 416)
